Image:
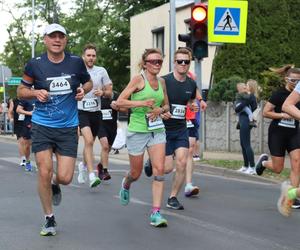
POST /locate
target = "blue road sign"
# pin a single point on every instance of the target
(227, 21)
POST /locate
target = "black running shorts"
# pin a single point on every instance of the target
(64, 141)
(90, 119)
(108, 130)
(282, 140)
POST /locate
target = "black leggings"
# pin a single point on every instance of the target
(245, 140)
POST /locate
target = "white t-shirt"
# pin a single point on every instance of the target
(100, 78)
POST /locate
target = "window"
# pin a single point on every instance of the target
(159, 38)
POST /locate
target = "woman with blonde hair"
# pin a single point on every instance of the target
(244, 108)
(147, 98)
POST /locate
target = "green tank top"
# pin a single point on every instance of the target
(138, 121)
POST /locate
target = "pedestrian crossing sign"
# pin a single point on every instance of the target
(227, 21)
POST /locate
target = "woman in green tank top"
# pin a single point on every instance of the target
(146, 96)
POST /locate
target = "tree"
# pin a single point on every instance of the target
(104, 23)
(272, 41)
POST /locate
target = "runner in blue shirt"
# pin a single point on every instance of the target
(57, 80)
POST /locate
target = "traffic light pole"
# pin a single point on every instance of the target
(198, 73)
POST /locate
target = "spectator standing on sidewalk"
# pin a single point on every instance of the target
(241, 105)
(90, 115)
(57, 80)
(283, 108)
(146, 96)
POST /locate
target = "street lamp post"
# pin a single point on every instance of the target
(32, 32)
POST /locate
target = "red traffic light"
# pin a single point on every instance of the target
(199, 13)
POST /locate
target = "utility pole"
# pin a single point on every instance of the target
(198, 73)
(172, 33)
(32, 32)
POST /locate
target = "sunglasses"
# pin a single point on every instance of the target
(186, 62)
(293, 80)
(155, 62)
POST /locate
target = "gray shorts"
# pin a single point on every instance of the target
(138, 142)
(64, 141)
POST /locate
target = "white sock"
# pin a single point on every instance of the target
(92, 176)
(23, 159)
(48, 215)
(263, 163)
(189, 185)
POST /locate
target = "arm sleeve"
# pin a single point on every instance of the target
(28, 76)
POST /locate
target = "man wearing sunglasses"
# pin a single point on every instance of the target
(181, 91)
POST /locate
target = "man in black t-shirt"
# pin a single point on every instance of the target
(182, 91)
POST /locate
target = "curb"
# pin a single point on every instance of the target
(210, 169)
(200, 168)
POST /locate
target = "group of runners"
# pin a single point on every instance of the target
(70, 92)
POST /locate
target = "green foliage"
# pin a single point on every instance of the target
(270, 81)
(104, 23)
(273, 40)
(224, 90)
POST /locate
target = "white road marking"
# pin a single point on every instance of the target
(213, 227)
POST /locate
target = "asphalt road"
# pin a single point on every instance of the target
(229, 213)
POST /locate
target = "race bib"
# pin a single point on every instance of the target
(288, 123)
(89, 103)
(59, 85)
(189, 124)
(21, 117)
(155, 124)
(106, 114)
(178, 111)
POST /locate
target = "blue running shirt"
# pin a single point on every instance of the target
(61, 80)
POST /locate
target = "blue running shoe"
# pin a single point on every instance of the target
(28, 167)
(124, 195)
(157, 220)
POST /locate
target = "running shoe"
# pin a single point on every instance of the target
(28, 167)
(196, 158)
(103, 173)
(48, 228)
(157, 220)
(191, 190)
(243, 169)
(284, 204)
(174, 204)
(56, 194)
(94, 181)
(23, 163)
(124, 194)
(82, 173)
(250, 171)
(296, 204)
(148, 168)
(259, 168)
